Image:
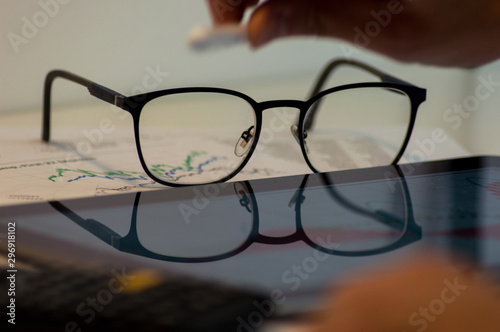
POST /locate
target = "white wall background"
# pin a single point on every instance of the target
(113, 42)
(479, 130)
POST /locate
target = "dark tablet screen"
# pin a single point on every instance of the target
(290, 236)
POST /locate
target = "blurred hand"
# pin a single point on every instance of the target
(425, 294)
(229, 11)
(441, 32)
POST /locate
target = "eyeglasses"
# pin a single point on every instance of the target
(328, 218)
(209, 134)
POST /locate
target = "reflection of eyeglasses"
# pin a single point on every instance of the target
(327, 219)
(202, 135)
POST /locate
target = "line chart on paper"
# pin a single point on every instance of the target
(31, 170)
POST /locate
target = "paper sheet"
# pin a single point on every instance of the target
(31, 170)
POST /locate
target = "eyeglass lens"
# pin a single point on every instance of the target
(195, 138)
(354, 128)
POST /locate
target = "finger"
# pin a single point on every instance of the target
(280, 18)
(426, 292)
(228, 11)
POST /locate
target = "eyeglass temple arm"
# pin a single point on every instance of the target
(94, 227)
(327, 71)
(95, 90)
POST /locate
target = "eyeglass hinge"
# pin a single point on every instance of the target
(119, 99)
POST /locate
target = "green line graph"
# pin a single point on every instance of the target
(191, 163)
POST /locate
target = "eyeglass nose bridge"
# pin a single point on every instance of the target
(279, 240)
(302, 106)
(292, 103)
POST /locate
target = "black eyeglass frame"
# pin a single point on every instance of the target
(134, 105)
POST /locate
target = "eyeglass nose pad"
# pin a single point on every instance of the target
(295, 133)
(243, 194)
(244, 142)
(296, 199)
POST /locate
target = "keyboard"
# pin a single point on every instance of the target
(67, 298)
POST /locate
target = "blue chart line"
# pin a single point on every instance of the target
(173, 172)
(80, 174)
(162, 170)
